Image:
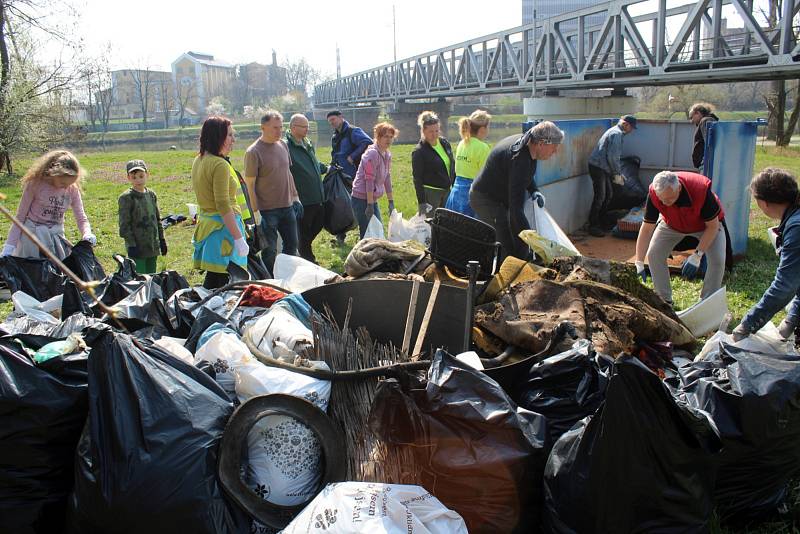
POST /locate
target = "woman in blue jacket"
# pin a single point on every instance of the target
(776, 193)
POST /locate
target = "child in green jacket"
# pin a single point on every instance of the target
(140, 221)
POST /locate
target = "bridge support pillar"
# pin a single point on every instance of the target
(404, 116)
(568, 107)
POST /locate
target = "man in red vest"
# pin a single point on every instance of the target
(687, 207)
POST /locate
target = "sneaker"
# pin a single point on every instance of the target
(596, 231)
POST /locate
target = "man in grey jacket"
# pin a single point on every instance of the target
(605, 168)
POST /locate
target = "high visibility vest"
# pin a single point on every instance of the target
(241, 198)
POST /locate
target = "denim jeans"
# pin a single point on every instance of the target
(359, 209)
(601, 184)
(274, 221)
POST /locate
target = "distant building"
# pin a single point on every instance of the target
(262, 82)
(130, 86)
(199, 78)
(544, 9)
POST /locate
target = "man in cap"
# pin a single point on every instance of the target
(605, 168)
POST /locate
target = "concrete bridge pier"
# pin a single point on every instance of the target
(570, 107)
(404, 116)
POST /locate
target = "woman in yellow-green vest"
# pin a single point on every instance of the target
(432, 164)
(219, 237)
(471, 154)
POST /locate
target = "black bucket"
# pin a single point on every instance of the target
(381, 306)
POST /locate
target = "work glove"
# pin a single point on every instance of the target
(538, 198)
(740, 332)
(163, 244)
(8, 250)
(786, 329)
(618, 179)
(691, 265)
(391, 206)
(297, 206)
(257, 217)
(91, 238)
(369, 211)
(240, 246)
(133, 252)
(641, 271)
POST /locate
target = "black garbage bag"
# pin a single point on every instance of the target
(147, 459)
(27, 325)
(642, 463)
(83, 262)
(256, 267)
(75, 301)
(170, 282)
(177, 307)
(42, 411)
(120, 284)
(144, 307)
(472, 447)
(566, 387)
(632, 193)
(752, 399)
(339, 215)
(37, 277)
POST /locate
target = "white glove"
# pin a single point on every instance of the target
(257, 217)
(619, 179)
(7, 250)
(91, 238)
(240, 245)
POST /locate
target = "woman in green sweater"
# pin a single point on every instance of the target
(219, 237)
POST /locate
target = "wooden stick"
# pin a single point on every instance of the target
(423, 328)
(412, 312)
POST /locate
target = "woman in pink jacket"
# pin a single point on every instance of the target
(374, 177)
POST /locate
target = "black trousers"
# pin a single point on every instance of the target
(601, 182)
(308, 228)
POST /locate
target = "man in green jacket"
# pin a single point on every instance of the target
(307, 172)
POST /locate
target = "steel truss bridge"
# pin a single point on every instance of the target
(616, 44)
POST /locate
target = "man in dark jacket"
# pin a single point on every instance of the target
(701, 115)
(348, 143)
(499, 191)
(307, 173)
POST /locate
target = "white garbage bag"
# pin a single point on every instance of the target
(347, 507)
(284, 463)
(374, 229)
(40, 311)
(278, 325)
(297, 274)
(176, 347)
(226, 353)
(415, 229)
(540, 220)
(766, 341)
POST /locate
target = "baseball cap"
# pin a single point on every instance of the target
(630, 119)
(135, 165)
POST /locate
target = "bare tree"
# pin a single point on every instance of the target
(300, 75)
(28, 120)
(166, 98)
(186, 91)
(777, 95)
(143, 82)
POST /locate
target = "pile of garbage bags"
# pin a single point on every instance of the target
(118, 424)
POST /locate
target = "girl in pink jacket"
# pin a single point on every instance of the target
(50, 187)
(374, 177)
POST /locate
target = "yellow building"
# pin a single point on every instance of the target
(131, 86)
(199, 78)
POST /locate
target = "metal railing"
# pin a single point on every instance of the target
(603, 46)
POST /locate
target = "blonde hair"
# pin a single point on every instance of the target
(53, 163)
(426, 118)
(469, 126)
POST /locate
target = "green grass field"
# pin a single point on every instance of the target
(170, 179)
